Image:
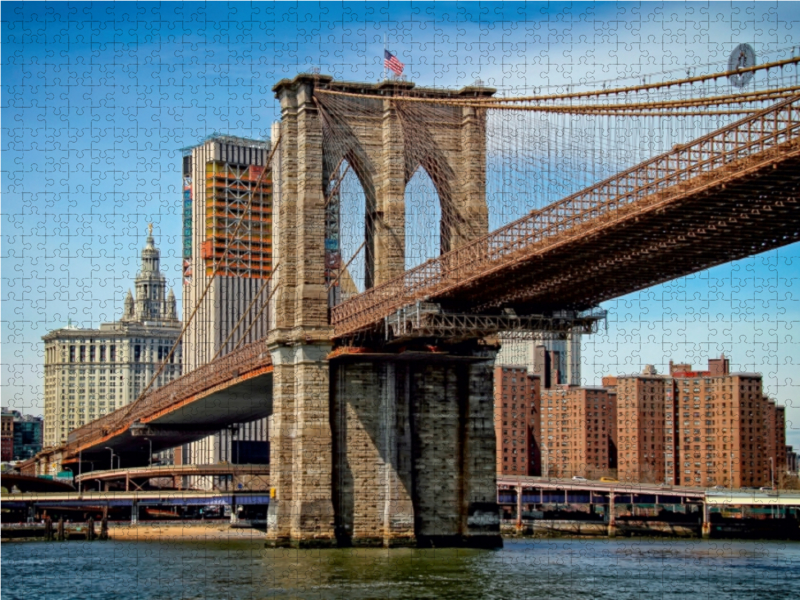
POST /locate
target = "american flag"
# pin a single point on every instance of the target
(390, 61)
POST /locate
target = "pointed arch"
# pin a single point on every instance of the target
(422, 149)
(347, 168)
(423, 219)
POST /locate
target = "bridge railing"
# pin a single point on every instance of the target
(245, 359)
(716, 157)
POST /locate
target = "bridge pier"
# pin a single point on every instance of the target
(301, 510)
(612, 519)
(705, 528)
(413, 445)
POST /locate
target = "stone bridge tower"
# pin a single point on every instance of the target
(378, 450)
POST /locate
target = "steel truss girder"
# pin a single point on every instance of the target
(427, 320)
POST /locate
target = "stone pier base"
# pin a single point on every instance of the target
(414, 449)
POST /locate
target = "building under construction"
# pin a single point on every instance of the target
(227, 262)
(227, 212)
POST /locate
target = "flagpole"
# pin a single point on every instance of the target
(384, 57)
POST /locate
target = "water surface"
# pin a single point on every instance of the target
(554, 569)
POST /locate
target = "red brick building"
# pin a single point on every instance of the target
(698, 428)
(7, 439)
(517, 421)
(578, 432)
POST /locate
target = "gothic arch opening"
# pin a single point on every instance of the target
(423, 219)
(349, 236)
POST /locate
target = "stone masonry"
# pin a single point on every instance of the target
(374, 450)
(414, 442)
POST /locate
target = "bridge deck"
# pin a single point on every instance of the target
(175, 471)
(724, 196)
(234, 389)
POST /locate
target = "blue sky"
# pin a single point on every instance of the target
(97, 100)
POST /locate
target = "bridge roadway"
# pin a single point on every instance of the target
(664, 494)
(236, 388)
(727, 195)
(174, 472)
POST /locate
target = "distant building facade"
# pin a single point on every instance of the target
(517, 421)
(578, 432)
(7, 436)
(91, 372)
(791, 460)
(28, 436)
(555, 361)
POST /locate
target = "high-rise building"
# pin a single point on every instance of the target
(517, 421)
(227, 262)
(641, 425)
(578, 426)
(227, 230)
(725, 431)
(556, 361)
(698, 428)
(91, 372)
(28, 432)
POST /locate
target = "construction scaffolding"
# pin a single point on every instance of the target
(237, 193)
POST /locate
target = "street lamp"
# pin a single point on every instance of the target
(150, 460)
(112, 456)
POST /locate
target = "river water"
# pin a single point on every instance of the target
(559, 568)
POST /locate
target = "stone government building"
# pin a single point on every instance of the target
(91, 372)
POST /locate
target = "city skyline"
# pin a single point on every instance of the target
(78, 194)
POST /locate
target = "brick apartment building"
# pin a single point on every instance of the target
(695, 428)
(517, 421)
(698, 428)
(727, 428)
(578, 432)
(642, 427)
(578, 436)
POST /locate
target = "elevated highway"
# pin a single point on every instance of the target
(541, 489)
(136, 477)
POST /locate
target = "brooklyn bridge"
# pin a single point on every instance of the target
(381, 392)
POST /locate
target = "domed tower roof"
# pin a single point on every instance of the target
(150, 254)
